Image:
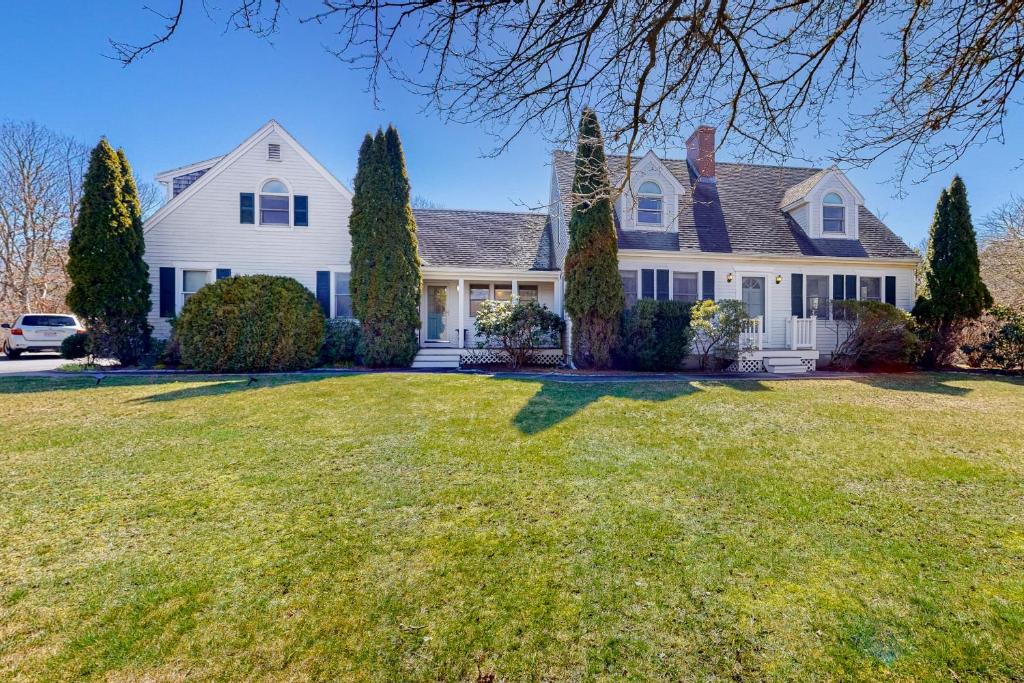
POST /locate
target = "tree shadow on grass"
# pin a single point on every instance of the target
(166, 387)
(558, 400)
(937, 383)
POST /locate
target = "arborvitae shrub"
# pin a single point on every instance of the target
(656, 335)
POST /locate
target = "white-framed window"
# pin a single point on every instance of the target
(629, 285)
(684, 287)
(503, 292)
(477, 295)
(816, 296)
(275, 203)
(650, 202)
(528, 293)
(342, 296)
(833, 214)
(191, 282)
(870, 289)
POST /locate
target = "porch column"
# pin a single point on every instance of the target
(558, 297)
(462, 313)
(515, 289)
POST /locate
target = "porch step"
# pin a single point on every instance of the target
(437, 359)
(785, 366)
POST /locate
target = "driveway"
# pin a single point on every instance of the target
(30, 362)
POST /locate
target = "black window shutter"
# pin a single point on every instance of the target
(167, 292)
(223, 273)
(301, 210)
(797, 294)
(890, 290)
(838, 288)
(647, 283)
(851, 286)
(323, 290)
(662, 284)
(708, 284)
(246, 207)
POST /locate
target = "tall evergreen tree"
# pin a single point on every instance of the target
(594, 296)
(952, 290)
(110, 287)
(385, 264)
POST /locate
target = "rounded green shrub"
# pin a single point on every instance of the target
(250, 323)
(76, 346)
(340, 341)
(656, 335)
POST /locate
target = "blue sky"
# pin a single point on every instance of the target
(206, 90)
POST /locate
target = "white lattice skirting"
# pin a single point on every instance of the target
(810, 363)
(546, 357)
(746, 365)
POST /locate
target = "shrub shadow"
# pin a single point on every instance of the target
(558, 400)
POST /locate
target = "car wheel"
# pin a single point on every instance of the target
(11, 353)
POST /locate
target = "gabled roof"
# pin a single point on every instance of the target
(740, 214)
(484, 239)
(800, 190)
(227, 160)
(205, 164)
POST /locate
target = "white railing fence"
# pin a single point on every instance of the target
(752, 334)
(802, 333)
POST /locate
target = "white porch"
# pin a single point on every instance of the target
(798, 352)
(449, 302)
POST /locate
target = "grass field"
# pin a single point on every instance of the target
(404, 527)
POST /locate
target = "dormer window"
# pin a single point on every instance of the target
(649, 204)
(274, 203)
(833, 214)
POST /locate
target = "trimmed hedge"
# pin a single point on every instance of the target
(78, 345)
(656, 335)
(251, 323)
(341, 341)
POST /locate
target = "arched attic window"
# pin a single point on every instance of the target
(275, 203)
(833, 213)
(649, 203)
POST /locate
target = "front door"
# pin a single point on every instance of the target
(753, 296)
(437, 313)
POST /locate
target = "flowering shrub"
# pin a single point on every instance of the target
(517, 328)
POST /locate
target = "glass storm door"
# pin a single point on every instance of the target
(437, 313)
(753, 296)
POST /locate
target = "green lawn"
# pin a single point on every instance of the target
(398, 527)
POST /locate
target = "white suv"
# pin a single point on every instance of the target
(38, 332)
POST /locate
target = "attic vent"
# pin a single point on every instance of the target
(274, 151)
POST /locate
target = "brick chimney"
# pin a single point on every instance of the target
(700, 153)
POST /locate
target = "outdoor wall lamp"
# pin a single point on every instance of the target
(728, 278)
(778, 279)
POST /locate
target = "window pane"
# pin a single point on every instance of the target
(192, 280)
(48, 321)
(684, 287)
(871, 289)
(833, 198)
(817, 296)
(502, 292)
(276, 187)
(649, 210)
(629, 285)
(477, 293)
(273, 210)
(650, 188)
(833, 217)
(342, 306)
(528, 293)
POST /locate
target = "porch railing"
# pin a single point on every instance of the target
(802, 333)
(752, 334)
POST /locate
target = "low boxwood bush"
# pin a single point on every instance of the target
(78, 345)
(341, 339)
(656, 335)
(250, 323)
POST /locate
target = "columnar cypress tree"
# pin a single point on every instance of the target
(952, 291)
(110, 286)
(385, 263)
(594, 296)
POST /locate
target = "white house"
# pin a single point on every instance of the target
(786, 241)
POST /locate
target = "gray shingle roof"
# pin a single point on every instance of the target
(740, 213)
(451, 238)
